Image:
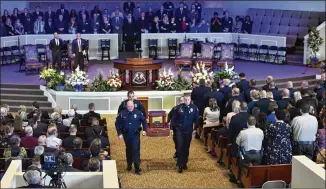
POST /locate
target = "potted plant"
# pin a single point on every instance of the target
(99, 84)
(227, 73)
(314, 43)
(165, 81)
(181, 83)
(200, 72)
(48, 74)
(78, 80)
(114, 81)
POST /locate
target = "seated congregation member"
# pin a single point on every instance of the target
(49, 26)
(131, 96)
(286, 101)
(38, 126)
(68, 159)
(71, 116)
(68, 142)
(193, 26)
(77, 115)
(10, 28)
(33, 178)
(275, 91)
(250, 142)
(237, 123)
(106, 26)
(142, 23)
(237, 25)
(254, 94)
(89, 131)
(203, 27)
(91, 114)
(77, 152)
(97, 130)
(263, 103)
(22, 114)
(8, 133)
(19, 28)
(28, 141)
(184, 25)
(95, 147)
(222, 131)
(165, 25)
(57, 120)
(8, 115)
(235, 110)
(227, 22)
(72, 26)
(84, 24)
(52, 141)
(304, 130)
(42, 142)
(39, 150)
(247, 25)
(61, 25)
(243, 84)
(15, 151)
(236, 95)
(39, 26)
(278, 135)
(272, 107)
(173, 26)
(94, 165)
(155, 26)
(211, 119)
(36, 108)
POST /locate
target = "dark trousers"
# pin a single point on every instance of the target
(175, 140)
(129, 39)
(183, 141)
(132, 143)
(304, 149)
(80, 60)
(255, 159)
(57, 59)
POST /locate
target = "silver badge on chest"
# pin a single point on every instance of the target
(135, 115)
(135, 105)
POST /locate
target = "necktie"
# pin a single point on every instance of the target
(79, 46)
(39, 27)
(116, 19)
(57, 42)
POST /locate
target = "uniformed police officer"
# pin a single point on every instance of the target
(184, 118)
(131, 96)
(172, 128)
(128, 128)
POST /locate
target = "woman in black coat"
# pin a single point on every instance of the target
(247, 25)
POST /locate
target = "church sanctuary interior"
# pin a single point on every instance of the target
(162, 94)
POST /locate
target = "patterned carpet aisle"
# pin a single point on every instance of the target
(158, 166)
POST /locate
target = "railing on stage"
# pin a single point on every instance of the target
(163, 51)
(94, 42)
(13, 177)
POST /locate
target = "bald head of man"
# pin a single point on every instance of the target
(130, 106)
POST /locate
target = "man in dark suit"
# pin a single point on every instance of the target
(243, 84)
(169, 7)
(268, 80)
(286, 100)
(77, 115)
(97, 130)
(84, 24)
(37, 13)
(23, 16)
(49, 14)
(180, 12)
(91, 114)
(61, 25)
(68, 159)
(129, 32)
(214, 93)
(83, 11)
(198, 8)
(77, 152)
(49, 26)
(68, 142)
(64, 12)
(275, 91)
(29, 24)
(197, 96)
(263, 103)
(236, 95)
(128, 7)
(150, 14)
(227, 22)
(142, 24)
(307, 99)
(226, 90)
(237, 123)
(252, 86)
(79, 51)
(56, 46)
(161, 12)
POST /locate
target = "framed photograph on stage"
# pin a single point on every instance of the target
(139, 78)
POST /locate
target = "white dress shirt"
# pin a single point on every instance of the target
(52, 141)
(304, 128)
(250, 138)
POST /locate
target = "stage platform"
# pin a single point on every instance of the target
(108, 102)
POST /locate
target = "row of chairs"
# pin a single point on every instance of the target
(287, 13)
(267, 20)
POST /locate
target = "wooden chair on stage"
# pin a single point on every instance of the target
(48, 56)
(31, 58)
(71, 60)
(207, 53)
(186, 55)
(227, 51)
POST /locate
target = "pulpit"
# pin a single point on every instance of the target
(144, 102)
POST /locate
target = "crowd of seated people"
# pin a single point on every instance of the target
(81, 136)
(264, 126)
(131, 21)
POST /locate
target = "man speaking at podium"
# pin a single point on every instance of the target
(79, 51)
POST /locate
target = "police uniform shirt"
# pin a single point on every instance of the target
(138, 106)
(184, 117)
(129, 122)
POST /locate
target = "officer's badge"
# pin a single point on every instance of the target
(191, 110)
(135, 115)
(180, 110)
(135, 105)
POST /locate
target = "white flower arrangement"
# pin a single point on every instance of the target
(200, 72)
(78, 77)
(166, 80)
(114, 82)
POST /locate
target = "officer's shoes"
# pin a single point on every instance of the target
(185, 167)
(138, 171)
(180, 169)
(129, 168)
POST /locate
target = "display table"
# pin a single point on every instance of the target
(138, 73)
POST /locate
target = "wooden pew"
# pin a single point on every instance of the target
(235, 167)
(256, 176)
(222, 143)
(226, 156)
(78, 163)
